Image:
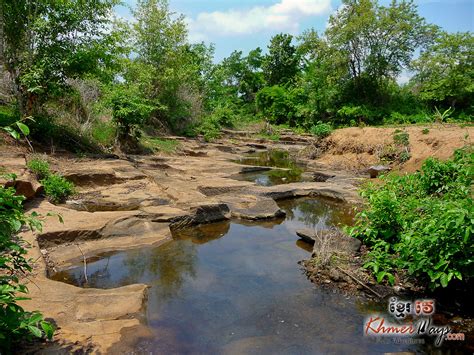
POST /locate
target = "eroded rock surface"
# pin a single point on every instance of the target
(135, 202)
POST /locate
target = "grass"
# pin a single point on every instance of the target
(167, 146)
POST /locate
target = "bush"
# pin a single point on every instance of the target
(421, 224)
(104, 133)
(57, 188)
(321, 130)
(39, 167)
(16, 324)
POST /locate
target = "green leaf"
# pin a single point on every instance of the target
(35, 331)
(23, 128)
(48, 329)
(444, 280)
(12, 132)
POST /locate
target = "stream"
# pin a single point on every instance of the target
(236, 287)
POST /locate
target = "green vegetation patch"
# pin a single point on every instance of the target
(162, 145)
(16, 324)
(421, 225)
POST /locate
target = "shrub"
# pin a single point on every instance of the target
(321, 130)
(104, 133)
(421, 224)
(57, 188)
(16, 324)
(401, 138)
(425, 131)
(39, 167)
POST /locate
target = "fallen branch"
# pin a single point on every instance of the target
(359, 282)
(85, 263)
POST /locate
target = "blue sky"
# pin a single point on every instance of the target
(247, 24)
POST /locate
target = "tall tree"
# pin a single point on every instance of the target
(445, 71)
(378, 41)
(44, 42)
(281, 64)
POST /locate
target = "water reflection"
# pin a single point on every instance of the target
(237, 288)
(274, 158)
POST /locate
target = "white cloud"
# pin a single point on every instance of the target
(282, 16)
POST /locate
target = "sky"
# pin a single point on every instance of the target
(247, 24)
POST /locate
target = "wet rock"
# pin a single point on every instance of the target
(337, 240)
(376, 170)
(206, 213)
(322, 177)
(252, 207)
(253, 169)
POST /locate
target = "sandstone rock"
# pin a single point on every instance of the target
(320, 176)
(252, 207)
(376, 170)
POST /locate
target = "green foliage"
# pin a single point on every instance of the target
(401, 138)
(104, 132)
(41, 47)
(444, 72)
(280, 66)
(130, 110)
(39, 166)
(421, 224)
(57, 188)
(16, 324)
(425, 131)
(321, 130)
(162, 145)
(274, 103)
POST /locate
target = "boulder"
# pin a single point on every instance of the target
(252, 207)
(376, 170)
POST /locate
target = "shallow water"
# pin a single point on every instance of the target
(235, 287)
(291, 171)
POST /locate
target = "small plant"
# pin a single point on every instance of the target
(16, 324)
(425, 131)
(321, 130)
(401, 138)
(442, 116)
(57, 188)
(39, 167)
(404, 156)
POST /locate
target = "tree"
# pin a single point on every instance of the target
(281, 65)
(178, 69)
(445, 71)
(45, 42)
(378, 41)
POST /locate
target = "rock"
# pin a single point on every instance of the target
(201, 214)
(253, 169)
(252, 207)
(216, 187)
(26, 185)
(376, 170)
(322, 177)
(338, 241)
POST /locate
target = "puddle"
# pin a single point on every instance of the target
(290, 171)
(236, 287)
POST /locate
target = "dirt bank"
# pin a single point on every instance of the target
(358, 148)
